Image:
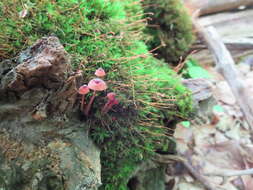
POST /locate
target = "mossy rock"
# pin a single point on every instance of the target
(170, 29)
(108, 34)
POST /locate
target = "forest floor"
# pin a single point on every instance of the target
(219, 145)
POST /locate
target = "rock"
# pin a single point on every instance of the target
(42, 75)
(202, 92)
(44, 145)
(148, 176)
(45, 64)
(201, 88)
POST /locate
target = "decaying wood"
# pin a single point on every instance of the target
(211, 6)
(238, 50)
(226, 67)
(236, 24)
(168, 159)
(238, 43)
(225, 17)
(235, 30)
(204, 57)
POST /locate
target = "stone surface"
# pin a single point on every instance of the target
(44, 145)
(202, 93)
(148, 176)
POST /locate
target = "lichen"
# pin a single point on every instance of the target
(107, 34)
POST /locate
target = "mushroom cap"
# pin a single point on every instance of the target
(84, 89)
(100, 72)
(97, 84)
(115, 102)
(111, 96)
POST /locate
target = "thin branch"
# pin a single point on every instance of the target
(231, 173)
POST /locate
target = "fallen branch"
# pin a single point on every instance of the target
(226, 67)
(168, 159)
(231, 173)
(242, 44)
(239, 47)
(239, 43)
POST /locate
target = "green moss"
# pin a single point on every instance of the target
(171, 27)
(107, 34)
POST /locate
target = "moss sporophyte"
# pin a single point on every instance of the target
(109, 34)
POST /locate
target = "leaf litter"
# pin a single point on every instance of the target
(220, 145)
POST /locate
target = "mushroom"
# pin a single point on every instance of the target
(110, 97)
(100, 72)
(111, 102)
(84, 89)
(114, 102)
(96, 85)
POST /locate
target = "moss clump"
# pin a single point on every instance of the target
(170, 28)
(107, 34)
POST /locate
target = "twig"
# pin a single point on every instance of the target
(167, 159)
(231, 173)
(226, 174)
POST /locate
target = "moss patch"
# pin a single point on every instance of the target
(170, 29)
(107, 34)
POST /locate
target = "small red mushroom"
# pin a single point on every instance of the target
(114, 102)
(84, 89)
(96, 85)
(110, 96)
(100, 72)
(111, 102)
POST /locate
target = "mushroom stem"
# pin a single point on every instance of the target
(87, 108)
(110, 104)
(106, 106)
(82, 103)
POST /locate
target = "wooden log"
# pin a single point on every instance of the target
(237, 24)
(204, 57)
(214, 6)
(225, 17)
(226, 67)
(239, 47)
(238, 43)
(236, 31)
(243, 44)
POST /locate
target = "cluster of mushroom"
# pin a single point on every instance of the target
(96, 84)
